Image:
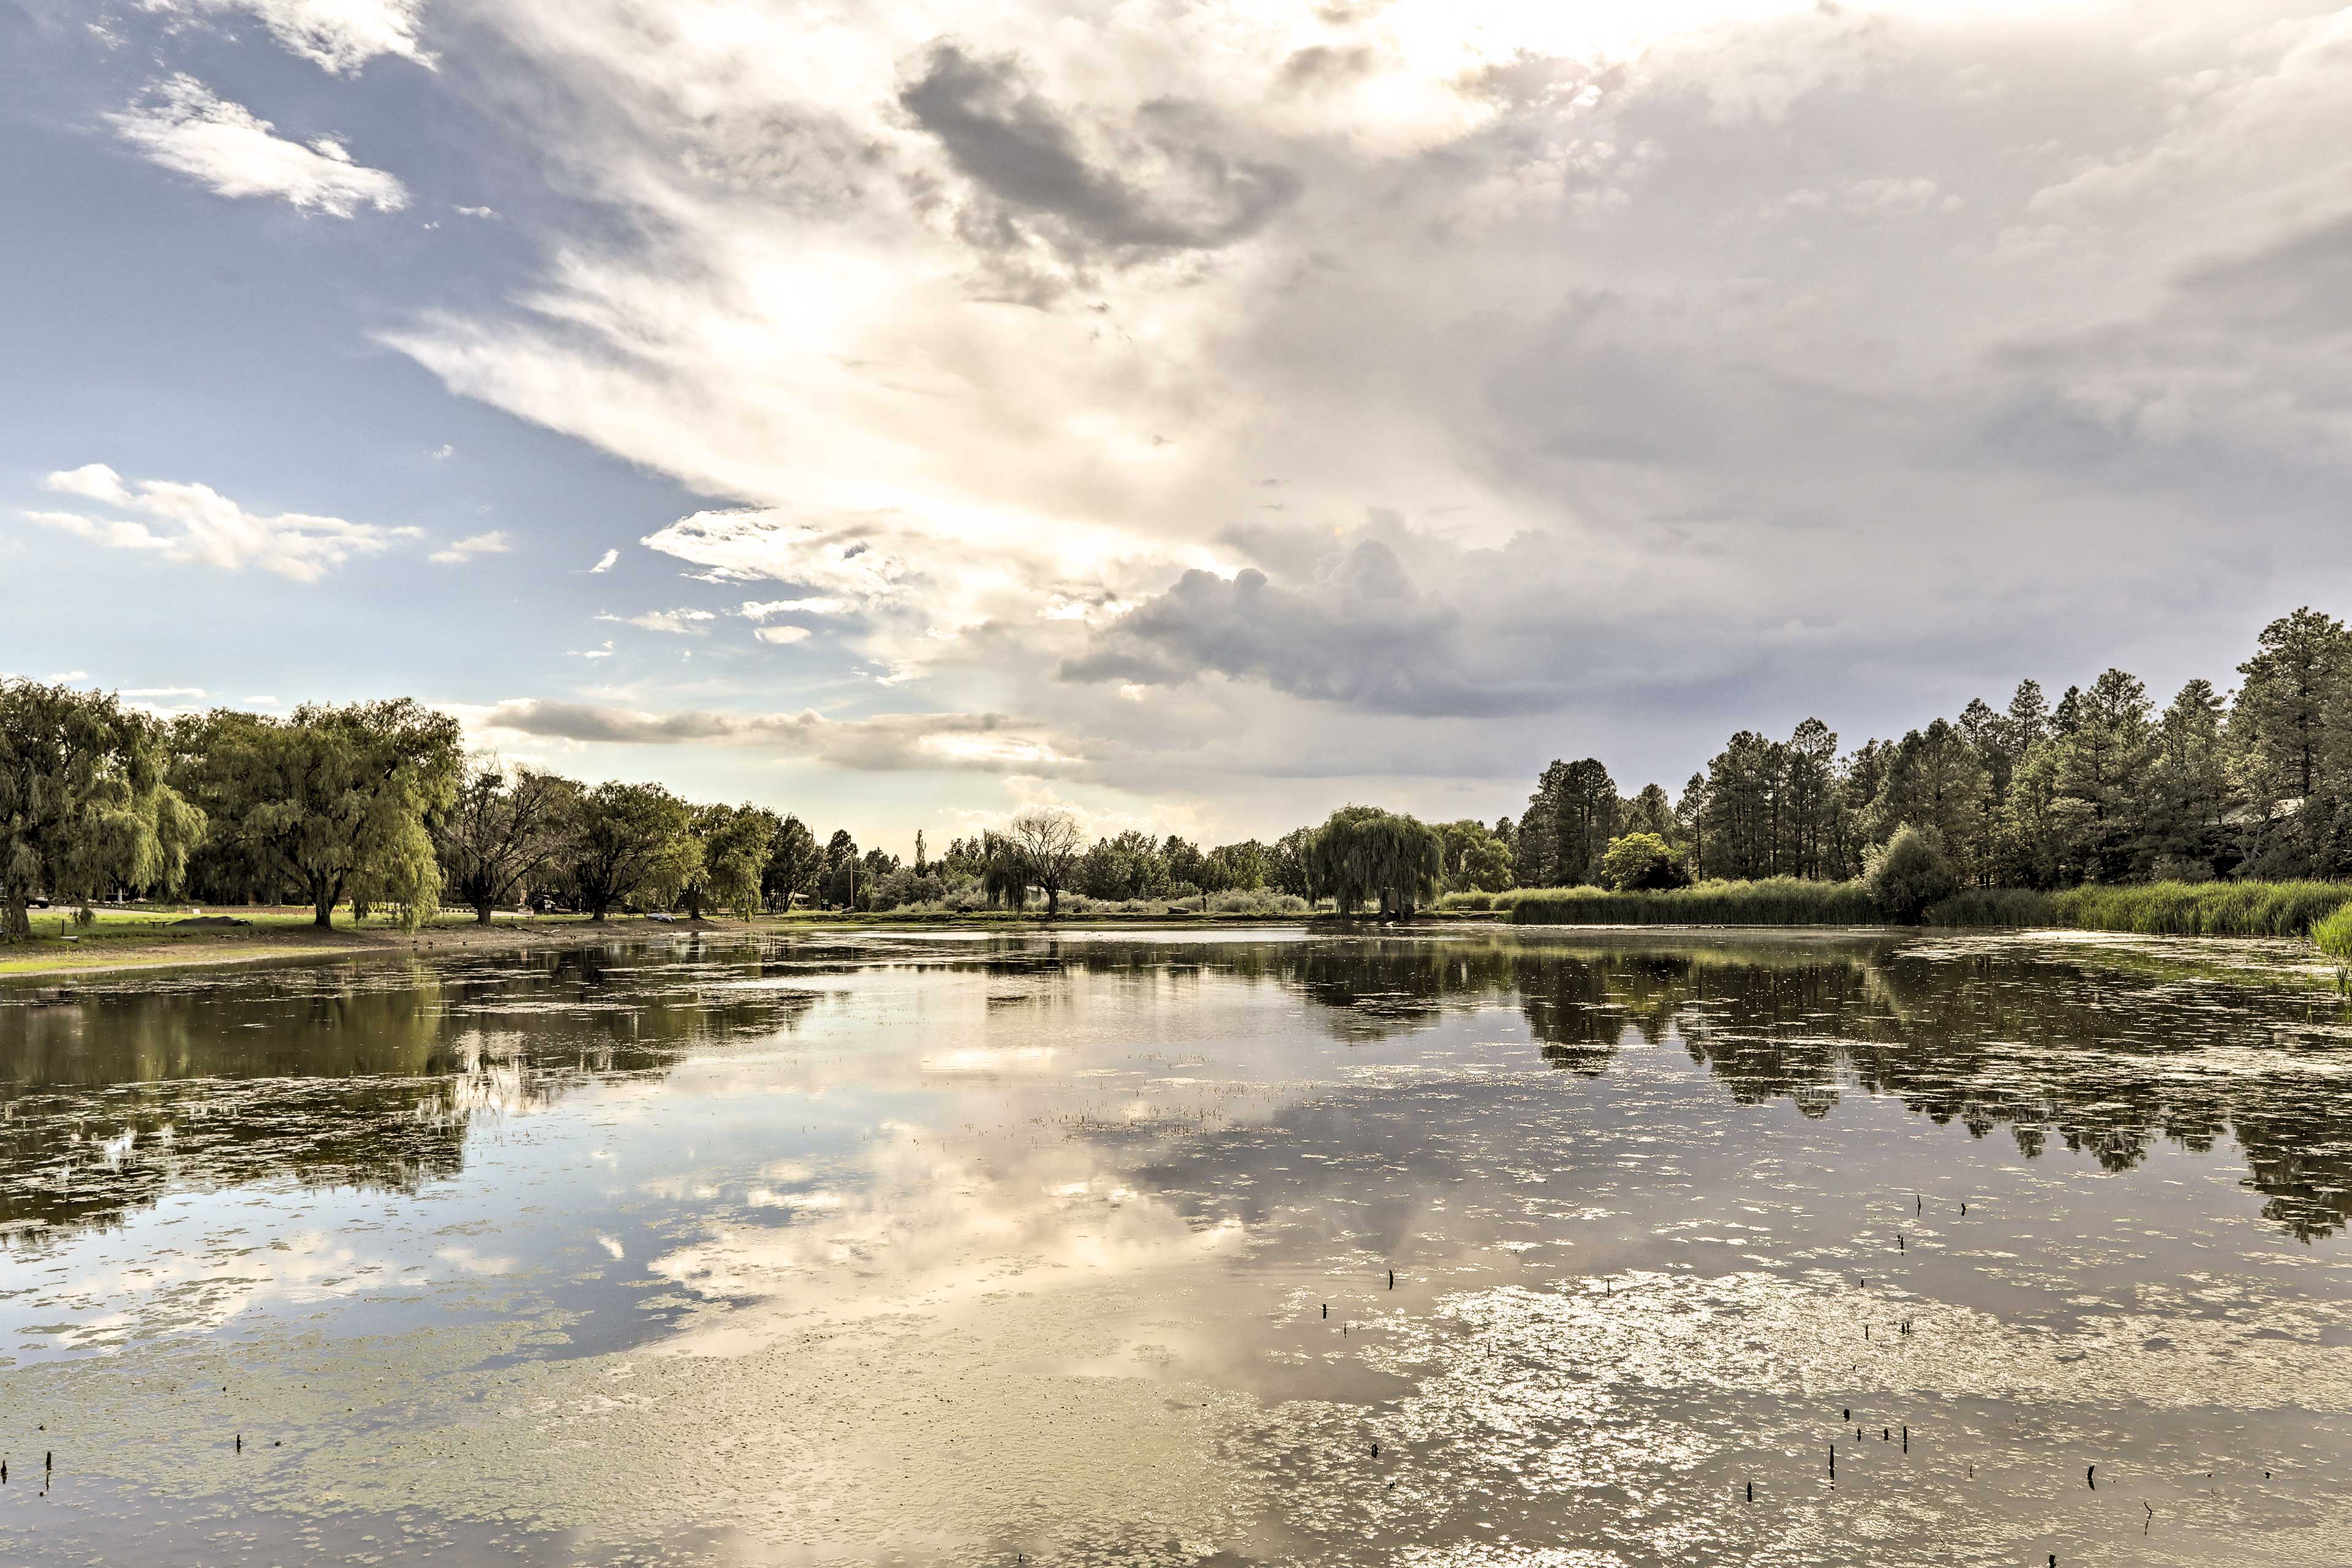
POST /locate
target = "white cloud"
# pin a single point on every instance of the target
(340, 36)
(95, 480)
(187, 522)
(605, 561)
(488, 213)
(984, 350)
(183, 128)
(684, 623)
(781, 633)
(494, 543)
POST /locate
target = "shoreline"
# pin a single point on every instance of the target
(153, 943)
(149, 943)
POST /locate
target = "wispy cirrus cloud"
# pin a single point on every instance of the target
(227, 148)
(195, 523)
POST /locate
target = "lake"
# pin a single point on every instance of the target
(1562, 1249)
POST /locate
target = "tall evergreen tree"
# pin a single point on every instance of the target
(2289, 722)
(2188, 792)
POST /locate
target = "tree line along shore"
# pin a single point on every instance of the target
(2218, 814)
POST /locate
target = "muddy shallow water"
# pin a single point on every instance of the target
(956, 1248)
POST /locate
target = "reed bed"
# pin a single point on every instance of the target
(2202, 909)
(1771, 901)
(2334, 934)
(2322, 911)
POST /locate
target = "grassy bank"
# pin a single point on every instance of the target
(2322, 911)
(153, 938)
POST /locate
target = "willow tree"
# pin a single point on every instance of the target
(735, 841)
(1003, 880)
(1364, 854)
(334, 799)
(83, 801)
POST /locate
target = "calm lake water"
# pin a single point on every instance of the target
(909, 1247)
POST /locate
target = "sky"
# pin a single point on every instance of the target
(1197, 414)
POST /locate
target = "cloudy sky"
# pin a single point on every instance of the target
(1194, 412)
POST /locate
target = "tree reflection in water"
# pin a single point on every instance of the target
(369, 1077)
(374, 1077)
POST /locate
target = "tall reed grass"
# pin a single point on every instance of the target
(2334, 934)
(1771, 901)
(2202, 909)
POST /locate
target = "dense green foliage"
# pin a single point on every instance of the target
(1363, 855)
(1642, 863)
(334, 800)
(2102, 786)
(1908, 873)
(733, 844)
(84, 804)
(628, 844)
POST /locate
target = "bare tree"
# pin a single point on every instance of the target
(1049, 845)
(501, 829)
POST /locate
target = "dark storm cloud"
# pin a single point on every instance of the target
(1322, 65)
(1362, 635)
(887, 742)
(2295, 286)
(1003, 134)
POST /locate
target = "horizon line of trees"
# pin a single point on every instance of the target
(2101, 787)
(377, 804)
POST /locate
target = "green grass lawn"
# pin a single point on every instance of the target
(118, 935)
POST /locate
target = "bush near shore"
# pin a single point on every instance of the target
(2322, 911)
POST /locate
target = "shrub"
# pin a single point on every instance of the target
(1641, 862)
(1908, 873)
(1470, 899)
